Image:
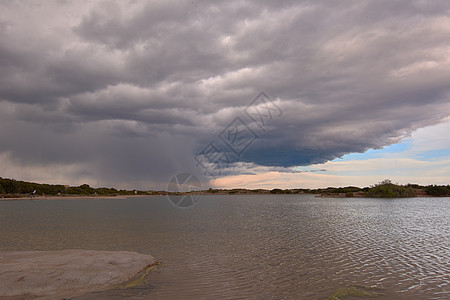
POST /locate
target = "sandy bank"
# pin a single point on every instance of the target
(67, 273)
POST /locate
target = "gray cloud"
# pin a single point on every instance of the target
(133, 90)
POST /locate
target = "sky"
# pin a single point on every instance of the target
(251, 94)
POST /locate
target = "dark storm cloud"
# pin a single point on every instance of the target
(130, 91)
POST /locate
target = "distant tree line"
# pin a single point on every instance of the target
(383, 189)
(16, 187)
(438, 190)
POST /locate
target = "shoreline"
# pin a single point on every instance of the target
(367, 197)
(73, 197)
(89, 197)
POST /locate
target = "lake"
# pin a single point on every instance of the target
(252, 246)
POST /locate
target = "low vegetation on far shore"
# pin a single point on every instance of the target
(384, 189)
(10, 188)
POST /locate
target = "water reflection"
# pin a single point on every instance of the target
(252, 246)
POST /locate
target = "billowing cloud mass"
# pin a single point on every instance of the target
(126, 93)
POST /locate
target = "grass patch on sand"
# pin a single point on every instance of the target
(140, 280)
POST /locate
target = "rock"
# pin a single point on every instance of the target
(67, 273)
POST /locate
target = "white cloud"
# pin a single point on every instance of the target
(430, 139)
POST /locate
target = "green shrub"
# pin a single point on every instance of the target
(438, 190)
(387, 189)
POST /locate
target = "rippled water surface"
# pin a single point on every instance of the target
(261, 247)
